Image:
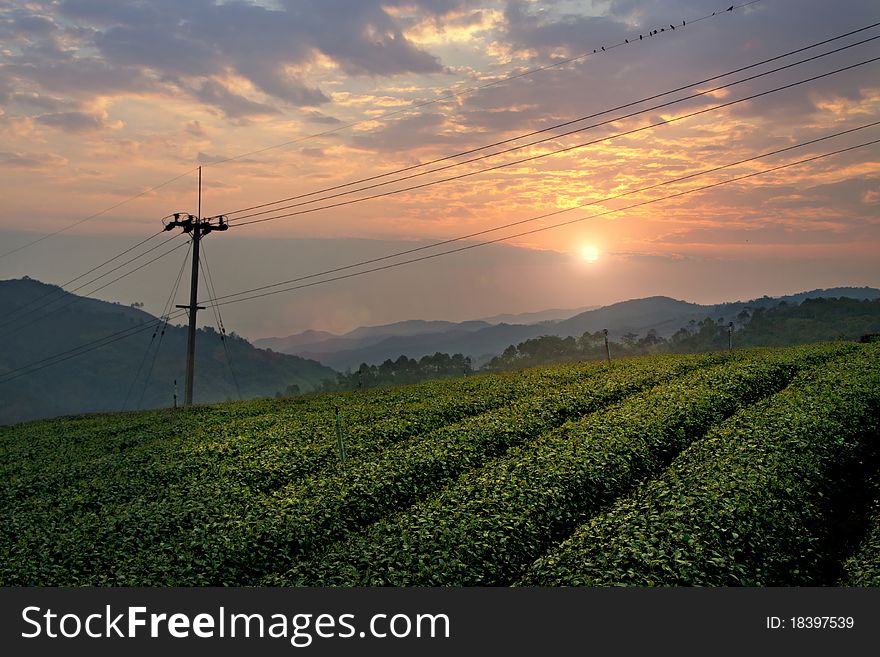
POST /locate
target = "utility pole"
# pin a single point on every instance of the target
(197, 229)
(730, 336)
(607, 348)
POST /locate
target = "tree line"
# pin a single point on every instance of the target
(782, 325)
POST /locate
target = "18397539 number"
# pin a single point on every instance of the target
(810, 623)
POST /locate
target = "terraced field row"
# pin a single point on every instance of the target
(171, 471)
(863, 567)
(490, 525)
(713, 469)
(752, 504)
(239, 545)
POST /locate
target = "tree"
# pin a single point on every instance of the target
(629, 339)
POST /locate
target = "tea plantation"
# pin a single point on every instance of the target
(756, 468)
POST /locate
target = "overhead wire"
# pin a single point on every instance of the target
(96, 214)
(119, 335)
(555, 126)
(566, 149)
(164, 326)
(544, 228)
(547, 215)
(73, 280)
(209, 279)
(71, 298)
(463, 92)
(79, 350)
(67, 295)
(381, 117)
(165, 310)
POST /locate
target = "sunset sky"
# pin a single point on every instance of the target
(102, 101)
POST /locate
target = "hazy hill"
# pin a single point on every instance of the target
(292, 342)
(552, 315)
(481, 341)
(815, 319)
(662, 314)
(320, 344)
(479, 345)
(103, 378)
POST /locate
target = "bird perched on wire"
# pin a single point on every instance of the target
(730, 8)
(672, 26)
(603, 48)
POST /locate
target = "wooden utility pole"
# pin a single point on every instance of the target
(197, 229)
(607, 348)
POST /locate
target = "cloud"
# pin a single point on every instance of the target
(41, 102)
(231, 104)
(82, 77)
(319, 117)
(31, 160)
(412, 132)
(201, 38)
(76, 122)
(573, 33)
(195, 129)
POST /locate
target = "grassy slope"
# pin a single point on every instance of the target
(182, 498)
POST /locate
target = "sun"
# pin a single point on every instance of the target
(589, 253)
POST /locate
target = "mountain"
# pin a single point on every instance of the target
(292, 342)
(479, 345)
(320, 344)
(661, 314)
(128, 371)
(481, 341)
(540, 317)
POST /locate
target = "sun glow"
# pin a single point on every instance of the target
(589, 253)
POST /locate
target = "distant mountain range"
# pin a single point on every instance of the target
(482, 339)
(132, 369)
(136, 367)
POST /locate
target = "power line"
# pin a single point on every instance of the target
(165, 310)
(567, 148)
(381, 117)
(464, 92)
(164, 326)
(550, 214)
(73, 280)
(119, 335)
(552, 127)
(544, 228)
(219, 319)
(19, 310)
(125, 331)
(95, 215)
(81, 349)
(13, 318)
(71, 298)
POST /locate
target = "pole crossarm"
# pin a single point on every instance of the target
(192, 224)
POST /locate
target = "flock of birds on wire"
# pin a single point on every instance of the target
(662, 29)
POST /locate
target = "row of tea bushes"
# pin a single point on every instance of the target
(748, 505)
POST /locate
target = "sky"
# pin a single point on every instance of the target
(107, 109)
